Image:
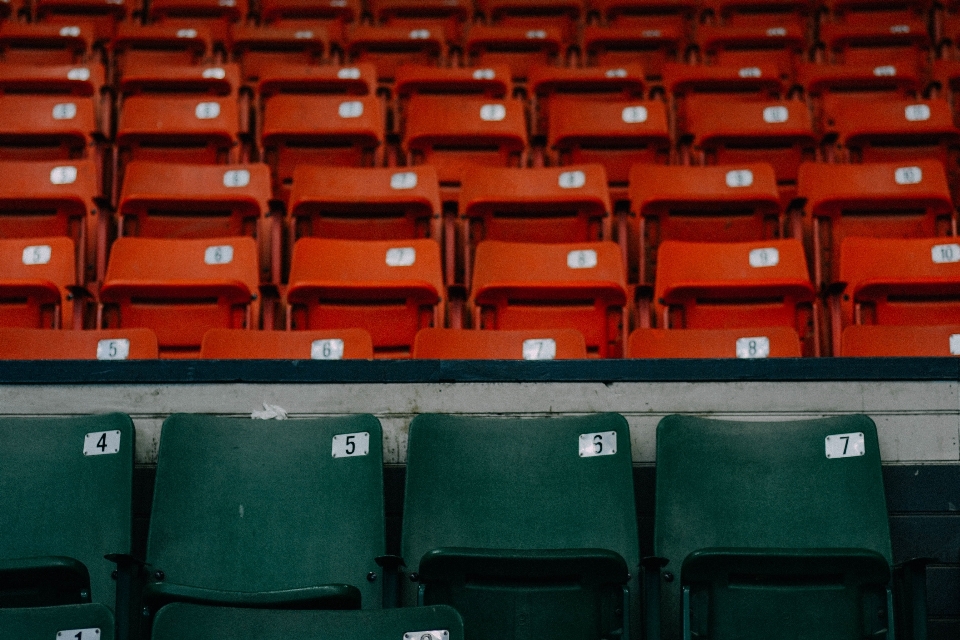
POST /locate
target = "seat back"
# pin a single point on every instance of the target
(229, 489)
(471, 344)
(771, 527)
(387, 47)
(64, 470)
(781, 40)
(651, 43)
(257, 48)
(35, 276)
(238, 344)
(499, 528)
(46, 127)
(603, 83)
(91, 622)
(869, 340)
(754, 343)
(161, 44)
(109, 344)
(520, 47)
(356, 80)
(46, 43)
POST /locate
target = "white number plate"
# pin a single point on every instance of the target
(540, 349)
(917, 113)
(37, 254)
(739, 178)
(236, 178)
(331, 349)
(214, 73)
(634, 115)
(79, 634)
(908, 175)
(222, 254)
(348, 445)
(572, 179)
(116, 349)
(352, 109)
(845, 445)
(63, 175)
(80, 73)
(583, 259)
(943, 253)
(767, 257)
(775, 115)
(427, 635)
(598, 444)
(207, 110)
(348, 73)
(493, 112)
(750, 348)
(403, 180)
(101, 443)
(401, 256)
(64, 111)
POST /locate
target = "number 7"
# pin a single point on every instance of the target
(846, 442)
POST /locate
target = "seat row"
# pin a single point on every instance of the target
(781, 526)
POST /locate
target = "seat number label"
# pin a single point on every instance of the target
(352, 109)
(187, 33)
(917, 113)
(64, 111)
(493, 112)
(908, 175)
(775, 115)
(401, 256)
(484, 74)
(63, 175)
(539, 349)
(955, 344)
(236, 178)
(634, 115)
(331, 349)
(572, 180)
(207, 110)
(598, 444)
(766, 257)
(79, 634)
(750, 348)
(348, 73)
(739, 178)
(885, 71)
(222, 254)
(749, 72)
(37, 254)
(101, 443)
(845, 445)
(583, 259)
(427, 635)
(350, 445)
(81, 74)
(115, 349)
(403, 180)
(215, 73)
(945, 253)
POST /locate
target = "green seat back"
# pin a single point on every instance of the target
(63, 495)
(248, 507)
(67, 622)
(753, 507)
(197, 622)
(497, 491)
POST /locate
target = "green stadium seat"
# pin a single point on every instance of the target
(196, 622)
(69, 622)
(770, 530)
(267, 515)
(504, 521)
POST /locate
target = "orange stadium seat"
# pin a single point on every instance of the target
(890, 200)
(161, 44)
(870, 11)
(103, 16)
(760, 13)
(747, 343)
(702, 204)
(255, 48)
(53, 198)
(365, 204)
(648, 13)
(552, 286)
(781, 42)
(868, 340)
(217, 15)
(614, 133)
(736, 285)
(563, 14)
(471, 344)
(46, 43)
(456, 135)
(180, 289)
(346, 131)
(239, 344)
(387, 47)
(390, 288)
(161, 81)
(444, 15)
(491, 82)
(516, 47)
(105, 344)
(900, 41)
(48, 128)
(610, 83)
(866, 80)
(761, 80)
(621, 44)
(301, 79)
(81, 81)
(332, 15)
(36, 278)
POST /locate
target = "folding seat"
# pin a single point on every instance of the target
(685, 83)
(257, 49)
(180, 289)
(737, 285)
(458, 135)
(702, 204)
(516, 550)
(731, 131)
(161, 45)
(81, 81)
(44, 127)
(108, 344)
(623, 44)
(546, 84)
(865, 80)
(216, 15)
(196, 622)
(442, 15)
(562, 14)
(760, 13)
(387, 47)
(517, 47)
(870, 340)
(772, 528)
(554, 204)
(878, 43)
(872, 12)
(345, 131)
(875, 200)
(37, 280)
(365, 204)
(752, 343)
(614, 133)
(470, 344)
(36, 43)
(783, 43)
(390, 288)
(238, 344)
(55, 470)
(103, 16)
(552, 286)
(253, 516)
(653, 14)
(332, 15)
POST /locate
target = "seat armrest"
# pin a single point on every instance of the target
(910, 598)
(43, 581)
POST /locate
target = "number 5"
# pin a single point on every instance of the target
(351, 445)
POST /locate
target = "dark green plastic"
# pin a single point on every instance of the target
(772, 538)
(61, 511)
(258, 513)
(68, 622)
(194, 622)
(506, 522)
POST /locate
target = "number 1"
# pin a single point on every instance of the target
(79, 636)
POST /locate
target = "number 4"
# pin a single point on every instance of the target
(102, 445)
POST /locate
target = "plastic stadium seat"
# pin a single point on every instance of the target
(870, 11)
(53, 198)
(445, 15)
(216, 15)
(867, 340)
(56, 470)
(161, 81)
(45, 127)
(614, 133)
(707, 285)
(752, 343)
(470, 344)
(491, 82)
(760, 13)
(357, 80)
(517, 47)
(560, 13)
(893, 130)
(239, 344)
(262, 516)
(388, 47)
(104, 16)
(773, 526)
(619, 44)
(702, 204)
(391, 288)
(91, 622)
(332, 15)
(36, 277)
(81, 80)
(196, 622)
(366, 204)
(516, 538)
(257, 48)
(867, 80)
(107, 344)
(901, 41)
(552, 286)
(782, 42)
(893, 200)
(761, 80)
(456, 135)
(180, 289)
(648, 13)
(161, 44)
(46, 43)
(346, 131)
(549, 83)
